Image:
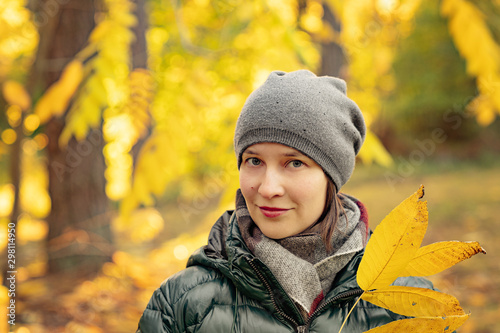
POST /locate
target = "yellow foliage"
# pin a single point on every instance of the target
(4, 303)
(141, 95)
(34, 288)
(160, 162)
(484, 108)
(15, 94)
(173, 255)
(434, 258)
(34, 196)
(123, 127)
(477, 45)
(31, 123)
(9, 136)
(373, 150)
(35, 269)
(142, 225)
(433, 324)
(56, 99)
(370, 34)
(311, 20)
(127, 265)
(106, 85)
(4, 222)
(414, 302)
(394, 242)
(6, 199)
(14, 115)
(29, 230)
(393, 247)
(18, 37)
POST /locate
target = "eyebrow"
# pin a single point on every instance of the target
(250, 152)
(294, 154)
(290, 154)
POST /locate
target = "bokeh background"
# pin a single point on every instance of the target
(117, 124)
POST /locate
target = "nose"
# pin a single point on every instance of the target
(271, 185)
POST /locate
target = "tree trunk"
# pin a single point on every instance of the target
(79, 237)
(139, 60)
(138, 47)
(332, 55)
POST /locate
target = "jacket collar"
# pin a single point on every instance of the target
(227, 252)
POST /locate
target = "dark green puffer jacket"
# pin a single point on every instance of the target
(225, 288)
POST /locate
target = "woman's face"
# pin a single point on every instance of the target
(284, 189)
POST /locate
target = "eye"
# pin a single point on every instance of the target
(253, 161)
(296, 163)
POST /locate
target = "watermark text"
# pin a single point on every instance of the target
(11, 273)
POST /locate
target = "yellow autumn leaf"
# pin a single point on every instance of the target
(142, 225)
(15, 94)
(373, 151)
(424, 325)
(57, 97)
(484, 109)
(31, 230)
(393, 243)
(383, 261)
(437, 257)
(141, 96)
(414, 302)
(476, 43)
(71, 77)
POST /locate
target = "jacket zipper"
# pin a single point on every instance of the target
(305, 328)
(268, 287)
(354, 292)
(350, 293)
(301, 328)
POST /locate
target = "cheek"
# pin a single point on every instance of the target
(246, 184)
(313, 193)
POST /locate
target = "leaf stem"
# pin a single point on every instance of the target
(345, 320)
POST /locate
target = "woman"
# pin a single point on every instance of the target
(286, 259)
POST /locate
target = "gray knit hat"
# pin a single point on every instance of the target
(309, 113)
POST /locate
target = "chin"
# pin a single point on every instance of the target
(274, 234)
(276, 237)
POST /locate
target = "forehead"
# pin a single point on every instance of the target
(272, 148)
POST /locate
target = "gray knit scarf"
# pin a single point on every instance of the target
(301, 263)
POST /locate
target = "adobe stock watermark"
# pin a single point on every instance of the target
(213, 187)
(48, 10)
(424, 148)
(369, 32)
(11, 273)
(75, 155)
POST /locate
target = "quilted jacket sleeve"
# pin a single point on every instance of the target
(414, 281)
(158, 315)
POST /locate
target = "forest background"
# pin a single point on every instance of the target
(117, 124)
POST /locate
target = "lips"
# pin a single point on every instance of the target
(272, 211)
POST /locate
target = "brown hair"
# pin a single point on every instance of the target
(331, 214)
